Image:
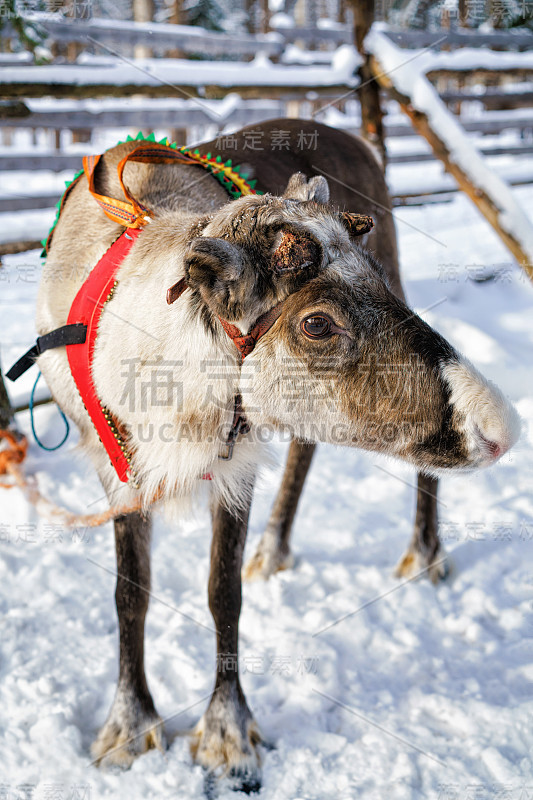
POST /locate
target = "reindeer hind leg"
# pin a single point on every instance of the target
(425, 555)
(273, 552)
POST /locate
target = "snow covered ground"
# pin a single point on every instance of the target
(421, 692)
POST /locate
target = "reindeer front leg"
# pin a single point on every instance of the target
(133, 725)
(273, 551)
(225, 739)
(425, 555)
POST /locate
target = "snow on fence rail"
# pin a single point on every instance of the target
(414, 39)
(492, 123)
(73, 115)
(470, 59)
(232, 110)
(293, 78)
(54, 161)
(256, 79)
(402, 194)
(180, 78)
(192, 39)
(160, 37)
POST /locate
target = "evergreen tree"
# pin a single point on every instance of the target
(27, 35)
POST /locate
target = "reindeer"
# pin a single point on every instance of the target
(331, 314)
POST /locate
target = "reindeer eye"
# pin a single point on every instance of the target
(316, 326)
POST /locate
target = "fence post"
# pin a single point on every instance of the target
(143, 11)
(371, 113)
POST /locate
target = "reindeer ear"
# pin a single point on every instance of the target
(294, 251)
(299, 188)
(209, 260)
(214, 268)
(356, 224)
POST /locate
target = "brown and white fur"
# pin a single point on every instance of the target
(434, 410)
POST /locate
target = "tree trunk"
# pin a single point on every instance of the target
(265, 17)
(177, 17)
(249, 8)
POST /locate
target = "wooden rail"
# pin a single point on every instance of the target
(492, 98)
(416, 158)
(494, 125)
(163, 36)
(447, 138)
(148, 116)
(54, 84)
(20, 246)
(444, 39)
(49, 199)
(160, 37)
(195, 81)
(30, 202)
(53, 161)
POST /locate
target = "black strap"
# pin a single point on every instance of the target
(75, 333)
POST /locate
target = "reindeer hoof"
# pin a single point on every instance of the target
(225, 744)
(266, 562)
(128, 733)
(414, 565)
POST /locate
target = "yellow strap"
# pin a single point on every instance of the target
(131, 213)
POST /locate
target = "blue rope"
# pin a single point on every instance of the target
(67, 426)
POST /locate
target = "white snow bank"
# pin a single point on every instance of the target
(443, 672)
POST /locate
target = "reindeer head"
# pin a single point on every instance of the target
(346, 361)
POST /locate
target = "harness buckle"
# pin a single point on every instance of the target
(232, 438)
(239, 425)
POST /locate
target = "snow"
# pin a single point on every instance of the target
(31, 225)
(189, 31)
(281, 20)
(325, 23)
(420, 694)
(402, 181)
(149, 71)
(469, 58)
(218, 109)
(292, 54)
(13, 58)
(464, 58)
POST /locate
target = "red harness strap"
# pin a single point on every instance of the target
(88, 304)
(87, 309)
(95, 292)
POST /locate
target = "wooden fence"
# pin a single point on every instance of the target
(286, 89)
(161, 37)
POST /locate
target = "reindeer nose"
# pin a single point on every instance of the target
(491, 450)
(490, 424)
